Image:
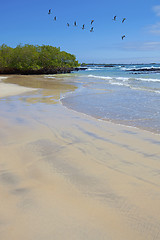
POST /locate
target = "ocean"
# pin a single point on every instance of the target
(124, 94)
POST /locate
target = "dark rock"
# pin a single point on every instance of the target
(80, 68)
(144, 70)
(108, 65)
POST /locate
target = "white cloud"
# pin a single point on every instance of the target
(151, 45)
(144, 46)
(155, 28)
(156, 9)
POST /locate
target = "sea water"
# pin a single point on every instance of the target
(124, 94)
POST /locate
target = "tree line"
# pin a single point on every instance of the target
(35, 59)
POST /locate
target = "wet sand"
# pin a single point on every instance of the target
(12, 89)
(64, 175)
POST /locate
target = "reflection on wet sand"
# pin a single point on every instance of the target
(40, 81)
(51, 88)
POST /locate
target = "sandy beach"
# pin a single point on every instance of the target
(66, 175)
(12, 89)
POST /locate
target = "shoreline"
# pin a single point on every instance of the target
(8, 89)
(111, 122)
(13, 89)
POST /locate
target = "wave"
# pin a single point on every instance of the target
(152, 68)
(119, 84)
(95, 69)
(92, 69)
(148, 79)
(100, 77)
(138, 79)
(124, 79)
(126, 68)
(141, 88)
(145, 89)
(143, 68)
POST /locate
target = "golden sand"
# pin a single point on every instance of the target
(12, 89)
(64, 175)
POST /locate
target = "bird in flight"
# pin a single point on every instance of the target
(83, 26)
(91, 30)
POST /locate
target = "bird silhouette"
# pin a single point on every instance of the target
(91, 30)
(83, 26)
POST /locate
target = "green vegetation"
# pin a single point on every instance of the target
(30, 59)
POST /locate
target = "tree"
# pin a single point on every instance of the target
(32, 58)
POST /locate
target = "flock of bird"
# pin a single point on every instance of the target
(114, 19)
(92, 21)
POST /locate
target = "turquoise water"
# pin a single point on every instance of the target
(119, 94)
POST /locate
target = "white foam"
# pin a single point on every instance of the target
(109, 78)
(125, 78)
(94, 69)
(143, 68)
(122, 78)
(124, 68)
(128, 68)
(100, 77)
(148, 79)
(145, 89)
(119, 84)
(90, 69)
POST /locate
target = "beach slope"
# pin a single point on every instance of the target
(64, 175)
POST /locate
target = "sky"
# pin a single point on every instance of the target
(28, 22)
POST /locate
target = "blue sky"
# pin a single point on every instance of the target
(29, 22)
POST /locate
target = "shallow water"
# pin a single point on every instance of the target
(117, 95)
(107, 93)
